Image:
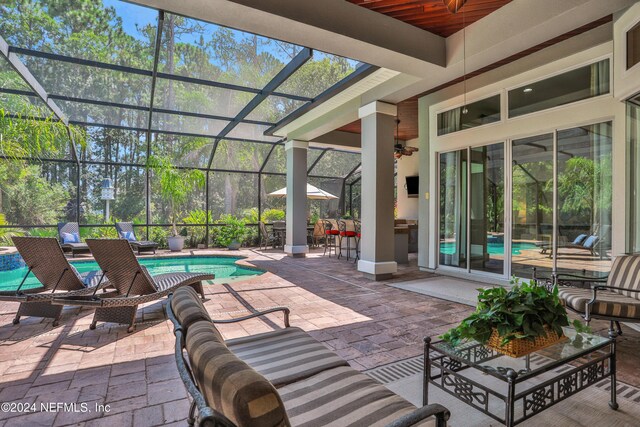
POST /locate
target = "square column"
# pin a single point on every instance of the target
(377, 249)
(296, 241)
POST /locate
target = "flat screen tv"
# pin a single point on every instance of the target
(412, 186)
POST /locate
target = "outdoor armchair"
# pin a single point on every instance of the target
(615, 297)
(45, 259)
(125, 231)
(266, 238)
(69, 235)
(133, 283)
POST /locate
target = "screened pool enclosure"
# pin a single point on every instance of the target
(93, 90)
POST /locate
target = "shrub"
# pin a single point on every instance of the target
(270, 215)
(233, 230)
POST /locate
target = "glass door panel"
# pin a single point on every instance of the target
(453, 209)
(486, 231)
(532, 205)
(633, 138)
(584, 199)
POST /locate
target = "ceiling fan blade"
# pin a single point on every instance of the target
(454, 5)
(412, 149)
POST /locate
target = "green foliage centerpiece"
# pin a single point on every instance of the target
(514, 321)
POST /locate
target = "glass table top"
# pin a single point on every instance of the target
(573, 346)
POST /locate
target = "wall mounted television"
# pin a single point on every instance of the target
(412, 186)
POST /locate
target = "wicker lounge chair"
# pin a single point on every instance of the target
(71, 228)
(47, 262)
(132, 281)
(125, 231)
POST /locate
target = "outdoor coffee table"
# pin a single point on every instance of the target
(512, 390)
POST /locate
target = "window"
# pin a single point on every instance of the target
(633, 46)
(572, 86)
(469, 116)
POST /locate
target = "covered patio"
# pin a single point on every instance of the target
(247, 213)
(370, 324)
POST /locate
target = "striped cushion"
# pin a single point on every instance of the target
(343, 397)
(229, 385)
(607, 303)
(285, 356)
(625, 273)
(188, 307)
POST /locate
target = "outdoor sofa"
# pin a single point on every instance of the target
(125, 231)
(279, 378)
(132, 281)
(45, 259)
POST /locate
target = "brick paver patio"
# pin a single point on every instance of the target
(367, 323)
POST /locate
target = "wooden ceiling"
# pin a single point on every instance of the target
(408, 109)
(432, 15)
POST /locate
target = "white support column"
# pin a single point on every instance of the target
(377, 254)
(296, 242)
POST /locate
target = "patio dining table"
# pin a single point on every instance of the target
(281, 233)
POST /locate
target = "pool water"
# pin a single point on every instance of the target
(449, 248)
(225, 269)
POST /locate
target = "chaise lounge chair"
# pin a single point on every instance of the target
(132, 281)
(125, 231)
(69, 235)
(582, 242)
(47, 262)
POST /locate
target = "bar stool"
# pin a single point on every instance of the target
(357, 226)
(330, 234)
(348, 234)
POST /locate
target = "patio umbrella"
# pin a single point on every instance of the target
(313, 193)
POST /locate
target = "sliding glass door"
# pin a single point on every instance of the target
(453, 209)
(486, 213)
(559, 204)
(472, 209)
(584, 187)
(531, 204)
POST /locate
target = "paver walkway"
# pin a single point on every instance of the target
(367, 323)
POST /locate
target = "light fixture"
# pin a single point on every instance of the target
(527, 90)
(454, 5)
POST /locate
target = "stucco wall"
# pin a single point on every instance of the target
(407, 166)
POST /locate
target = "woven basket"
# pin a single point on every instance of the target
(522, 346)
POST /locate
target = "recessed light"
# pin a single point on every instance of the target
(528, 90)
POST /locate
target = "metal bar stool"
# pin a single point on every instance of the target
(357, 226)
(330, 234)
(348, 234)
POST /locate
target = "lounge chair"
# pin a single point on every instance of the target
(132, 281)
(69, 235)
(582, 242)
(47, 262)
(125, 231)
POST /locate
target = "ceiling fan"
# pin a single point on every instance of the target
(400, 149)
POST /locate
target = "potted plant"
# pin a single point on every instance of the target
(514, 321)
(231, 233)
(175, 187)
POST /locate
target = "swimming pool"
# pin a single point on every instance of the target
(449, 248)
(225, 269)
